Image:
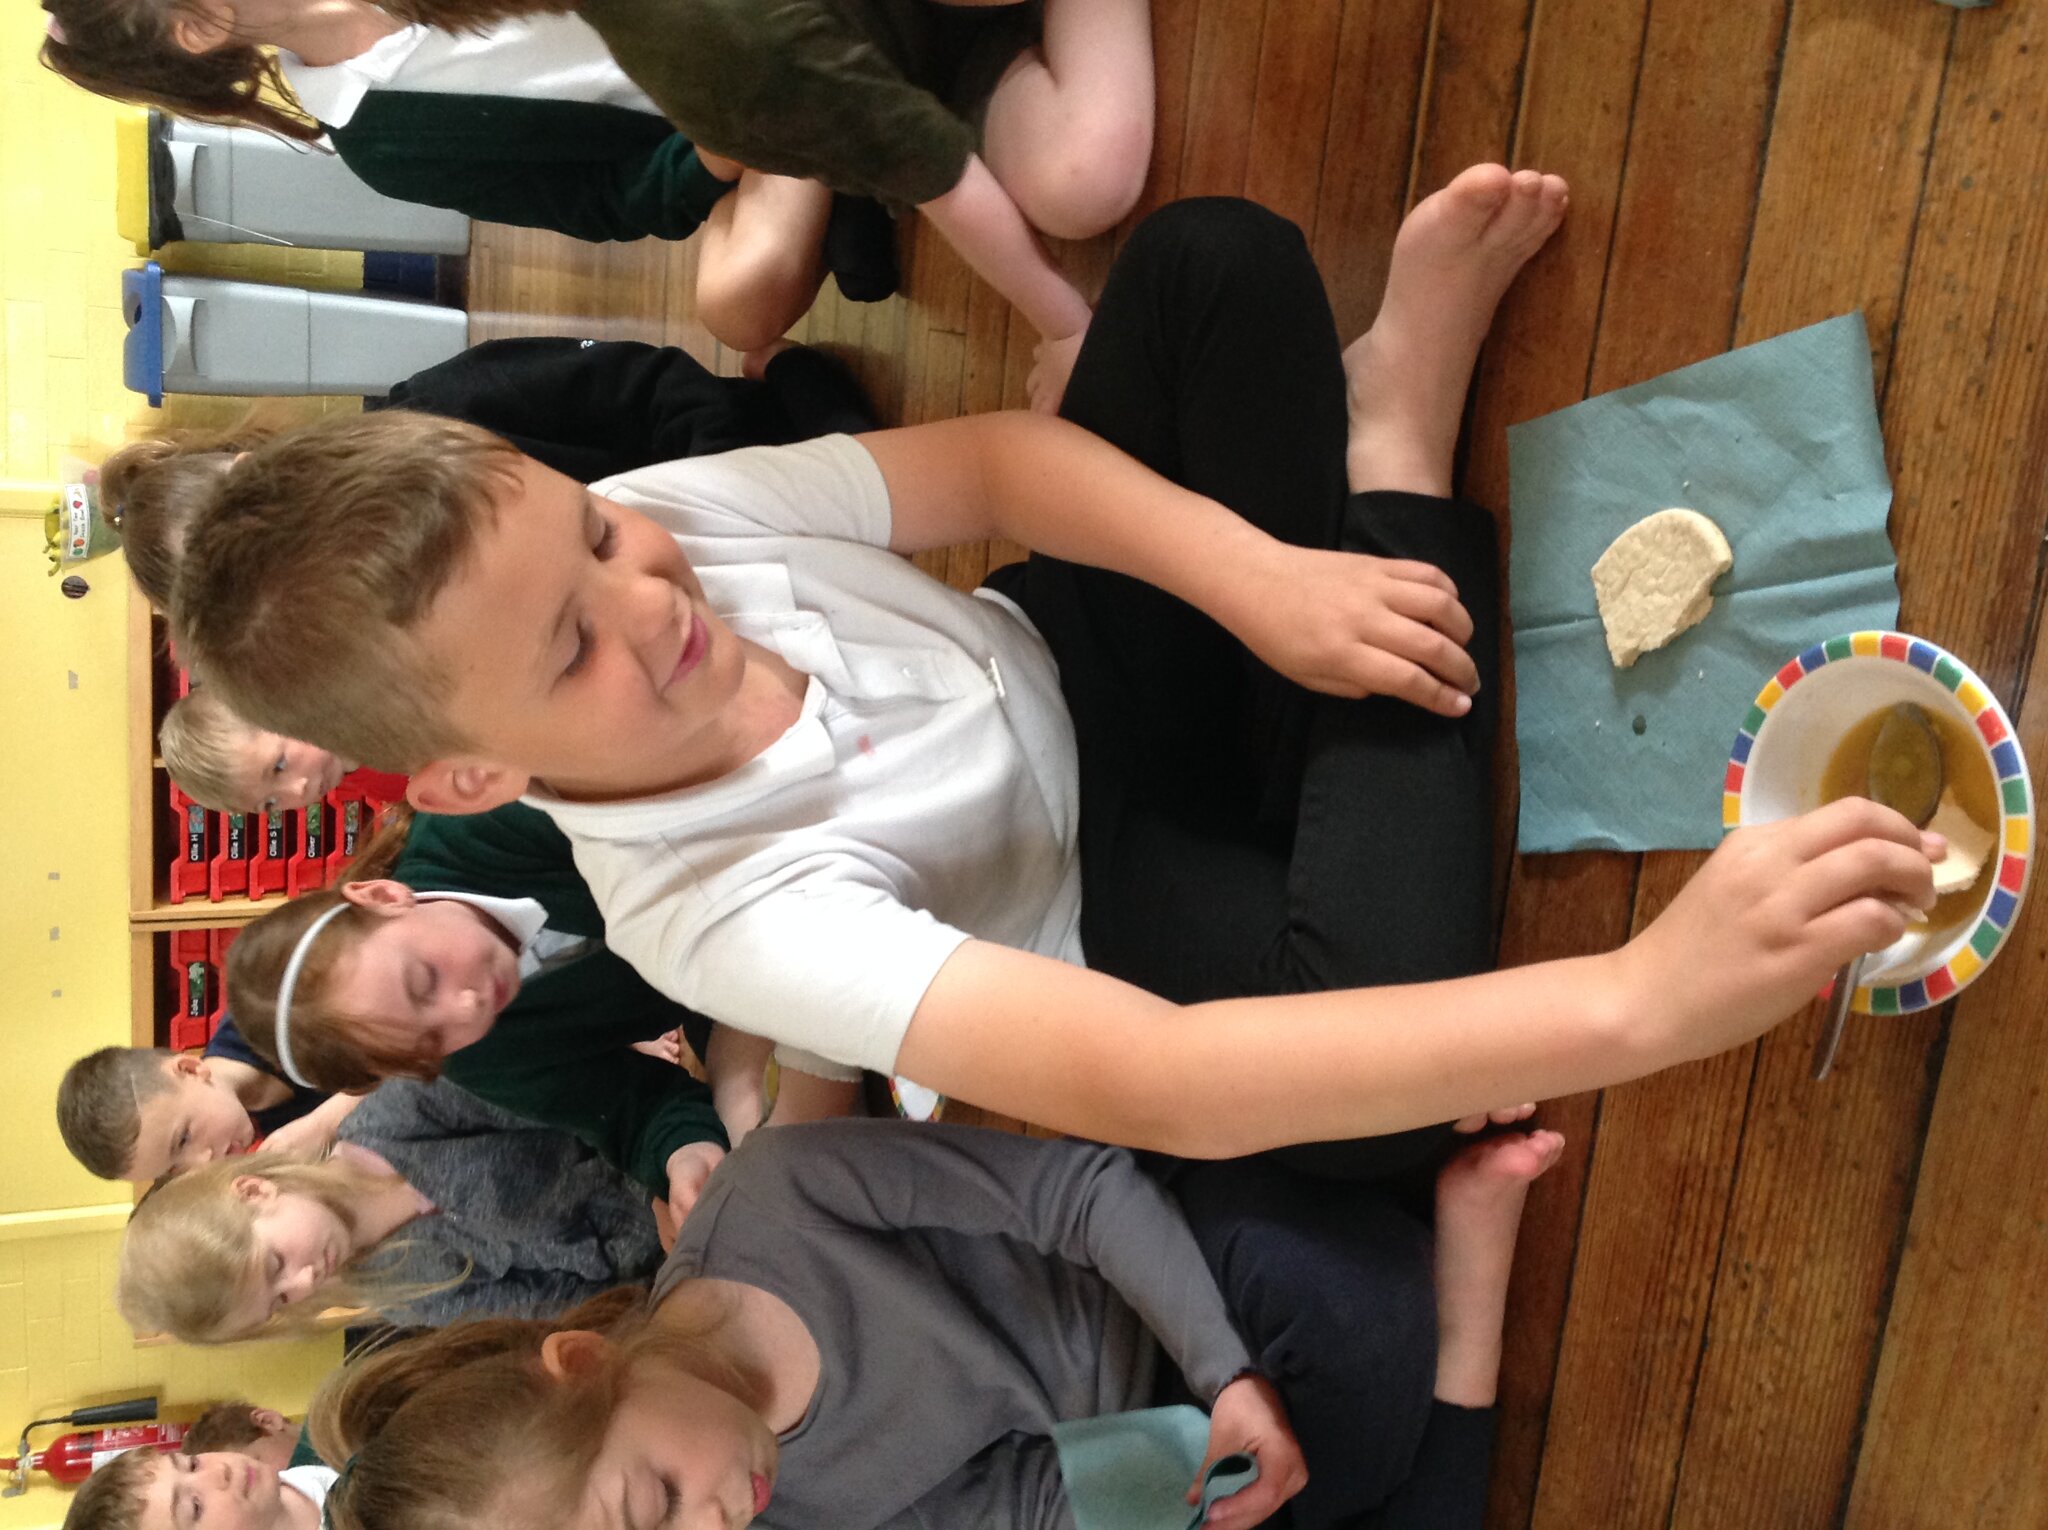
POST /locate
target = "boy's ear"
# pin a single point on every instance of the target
(464, 786)
(185, 1065)
(380, 895)
(253, 1188)
(574, 1352)
(269, 1420)
(200, 26)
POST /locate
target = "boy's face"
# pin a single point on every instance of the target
(198, 1119)
(277, 774)
(218, 1491)
(581, 649)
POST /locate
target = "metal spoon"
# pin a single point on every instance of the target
(1906, 775)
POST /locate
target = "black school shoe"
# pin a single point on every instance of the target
(860, 248)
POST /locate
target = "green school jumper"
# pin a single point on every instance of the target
(561, 1053)
(582, 168)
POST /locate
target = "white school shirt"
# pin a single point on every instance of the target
(525, 920)
(929, 791)
(556, 58)
(314, 1481)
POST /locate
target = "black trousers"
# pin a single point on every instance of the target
(592, 408)
(1241, 836)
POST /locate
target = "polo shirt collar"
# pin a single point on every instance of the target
(333, 92)
(522, 918)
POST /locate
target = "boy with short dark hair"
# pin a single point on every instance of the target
(139, 1113)
(263, 1434)
(823, 798)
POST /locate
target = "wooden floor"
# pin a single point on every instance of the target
(1745, 1300)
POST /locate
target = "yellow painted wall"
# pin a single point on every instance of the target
(63, 830)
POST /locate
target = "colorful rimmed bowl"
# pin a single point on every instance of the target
(1792, 731)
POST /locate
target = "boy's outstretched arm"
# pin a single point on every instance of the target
(1338, 622)
(1752, 937)
(979, 220)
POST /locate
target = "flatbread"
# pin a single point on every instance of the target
(1656, 579)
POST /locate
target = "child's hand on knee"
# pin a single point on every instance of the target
(1249, 1417)
(1769, 918)
(1351, 625)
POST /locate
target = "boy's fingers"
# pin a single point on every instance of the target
(1419, 573)
(1391, 676)
(1433, 605)
(1446, 660)
(1864, 868)
(1814, 834)
(1856, 928)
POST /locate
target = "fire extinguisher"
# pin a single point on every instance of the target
(71, 1458)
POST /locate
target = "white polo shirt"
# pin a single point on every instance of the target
(553, 57)
(928, 792)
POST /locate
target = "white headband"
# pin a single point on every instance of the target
(284, 993)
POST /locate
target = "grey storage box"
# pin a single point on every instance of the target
(198, 334)
(224, 185)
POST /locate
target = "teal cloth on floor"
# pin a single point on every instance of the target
(1130, 1471)
(1777, 444)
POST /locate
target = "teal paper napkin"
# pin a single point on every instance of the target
(1130, 1471)
(1778, 444)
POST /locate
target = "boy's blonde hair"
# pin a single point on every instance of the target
(461, 1428)
(189, 1253)
(202, 742)
(302, 580)
(111, 1498)
(99, 1105)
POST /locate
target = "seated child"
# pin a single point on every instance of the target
(482, 959)
(223, 763)
(527, 121)
(433, 1205)
(262, 1434)
(1221, 737)
(140, 1113)
(587, 408)
(876, 1323)
(219, 1490)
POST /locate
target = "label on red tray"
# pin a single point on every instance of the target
(316, 831)
(274, 841)
(238, 836)
(351, 825)
(195, 833)
(195, 990)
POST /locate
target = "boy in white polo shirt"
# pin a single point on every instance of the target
(821, 797)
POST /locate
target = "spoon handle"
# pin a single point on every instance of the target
(1838, 1017)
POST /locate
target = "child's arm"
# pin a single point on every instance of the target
(980, 220)
(257, 1088)
(1754, 935)
(1333, 621)
(313, 1133)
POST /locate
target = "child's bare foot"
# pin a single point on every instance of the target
(1506, 1115)
(1406, 377)
(1479, 1200)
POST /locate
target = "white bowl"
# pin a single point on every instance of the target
(1785, 744)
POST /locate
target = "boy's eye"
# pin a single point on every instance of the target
(278, 768)
(582, 653)
(608, 540)
(671, 1500)
(184, 1137)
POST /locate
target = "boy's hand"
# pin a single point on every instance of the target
(1250, 1417)
(313, 1134)
(1352, 625)
(688, 1167)
(1769, 918)
(1052, 363)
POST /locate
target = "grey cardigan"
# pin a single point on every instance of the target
(542, 1221)
(967, 1290)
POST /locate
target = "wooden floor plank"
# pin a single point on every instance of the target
(1291, 112)
(1222, 88)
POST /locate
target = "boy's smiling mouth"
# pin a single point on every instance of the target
(694, 644)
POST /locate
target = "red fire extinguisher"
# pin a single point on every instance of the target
(71, 1458)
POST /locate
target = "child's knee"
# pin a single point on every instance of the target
(752, 298)
(1085, 185)
(1229, 230)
